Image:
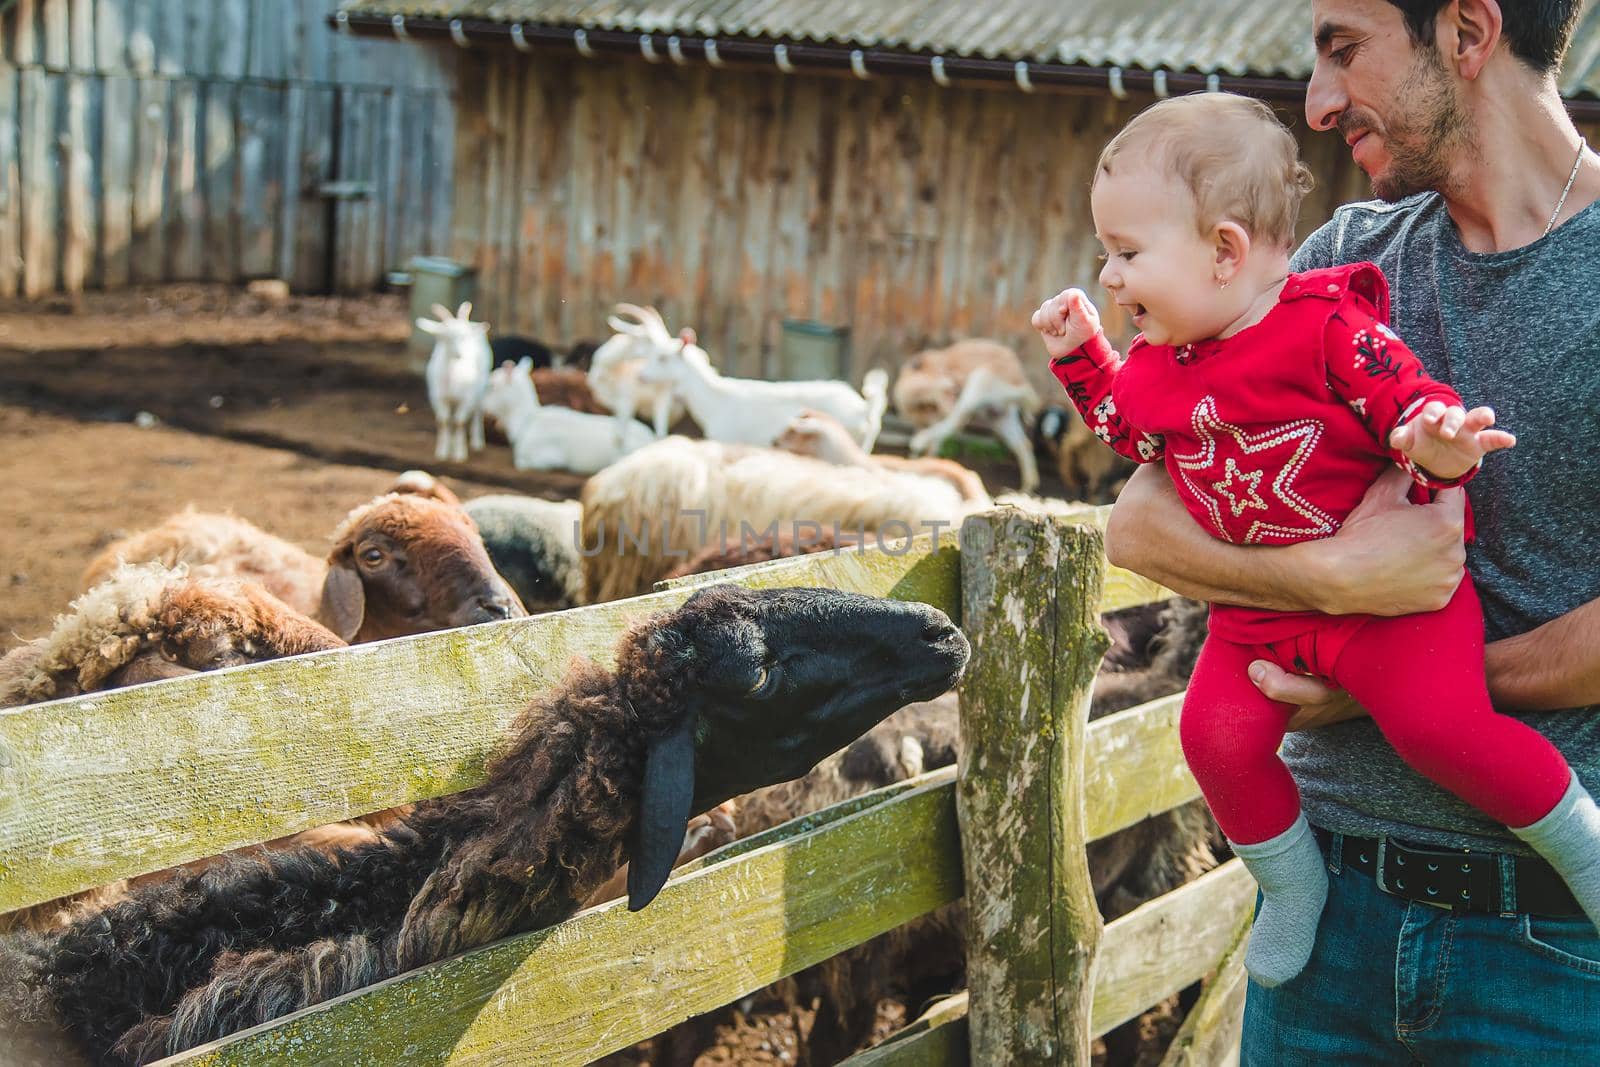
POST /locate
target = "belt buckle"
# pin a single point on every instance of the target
(1378, 872)
(1477, 880)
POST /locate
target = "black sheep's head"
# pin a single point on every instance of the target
(750, 688)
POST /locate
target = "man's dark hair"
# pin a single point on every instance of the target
(1538, 31)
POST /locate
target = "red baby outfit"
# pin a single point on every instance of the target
(1271, 437)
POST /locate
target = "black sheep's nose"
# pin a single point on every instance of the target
(935, 632)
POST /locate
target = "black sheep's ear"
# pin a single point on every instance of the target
(663, 813)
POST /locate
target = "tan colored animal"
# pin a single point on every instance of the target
(821, 436)
(977, 381)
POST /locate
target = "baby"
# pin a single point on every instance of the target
(1275, 399)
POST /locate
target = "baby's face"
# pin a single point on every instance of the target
(1157, 267)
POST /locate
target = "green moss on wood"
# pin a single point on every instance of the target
(1031, 594)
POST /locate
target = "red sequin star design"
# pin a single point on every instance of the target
(1231, 459)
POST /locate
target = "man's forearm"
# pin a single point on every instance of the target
(1554, 666)
(1388, 558)
(1151, 533)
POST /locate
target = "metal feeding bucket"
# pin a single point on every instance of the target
(436, 280)
(812, 350)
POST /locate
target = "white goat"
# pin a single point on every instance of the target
(976, 380)
(754, 411)
(458, 376)
(552, 438)
(614, 368)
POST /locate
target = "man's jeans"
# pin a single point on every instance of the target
(1395, 982)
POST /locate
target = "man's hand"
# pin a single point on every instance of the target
(1318, 704)
(1066, 321)
(1392, 557)
(1449, 441)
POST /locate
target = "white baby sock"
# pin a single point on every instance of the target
(1569, 838)
(1294, 886)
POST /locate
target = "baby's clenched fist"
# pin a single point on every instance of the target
(1066, 321)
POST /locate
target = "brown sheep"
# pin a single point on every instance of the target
(567, 387)
(145, 623)
(404, 563)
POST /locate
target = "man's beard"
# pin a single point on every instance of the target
(1422, 143)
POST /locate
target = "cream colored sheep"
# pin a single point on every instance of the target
(821, 436)
(654, 509)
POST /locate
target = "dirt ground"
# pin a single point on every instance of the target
(118, 409)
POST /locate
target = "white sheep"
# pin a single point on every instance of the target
(976, 380)
(614, 368)
(458, 376)
(753, 411)
(544, 437)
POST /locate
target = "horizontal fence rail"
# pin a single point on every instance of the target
(605, 979)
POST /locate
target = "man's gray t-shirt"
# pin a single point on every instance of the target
(1520, 332)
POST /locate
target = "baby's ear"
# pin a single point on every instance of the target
(1231, 245)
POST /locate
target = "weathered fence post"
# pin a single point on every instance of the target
(1031, 590)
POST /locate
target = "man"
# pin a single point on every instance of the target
(1443, 941)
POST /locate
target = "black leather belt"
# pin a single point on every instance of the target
(1459, 879)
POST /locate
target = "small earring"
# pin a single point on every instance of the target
(1221, 284)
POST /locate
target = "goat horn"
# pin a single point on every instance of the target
(633, 309)
(442, 313)
(632, 329)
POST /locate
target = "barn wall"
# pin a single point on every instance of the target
(732, 199)
(174, 140)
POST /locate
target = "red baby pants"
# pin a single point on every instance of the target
(1420, 677)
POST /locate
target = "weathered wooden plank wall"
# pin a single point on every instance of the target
(732, 199)
(170, 140)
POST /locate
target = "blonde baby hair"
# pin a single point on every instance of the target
(1231, 152)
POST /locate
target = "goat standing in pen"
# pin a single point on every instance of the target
(734, 690)
(977, 381)
(754, 411)
(458, 376)
(615, 367)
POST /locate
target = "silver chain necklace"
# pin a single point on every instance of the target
(1576, 163)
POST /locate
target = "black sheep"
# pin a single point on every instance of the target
(735, 690)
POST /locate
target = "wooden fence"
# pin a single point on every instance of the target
(129, 781)
(180, 140)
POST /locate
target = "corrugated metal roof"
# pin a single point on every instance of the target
(1265, 38)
